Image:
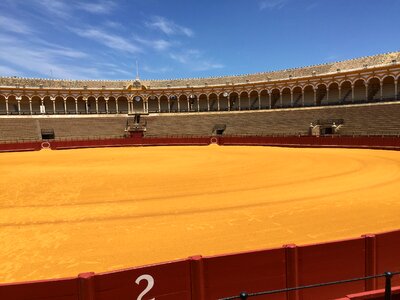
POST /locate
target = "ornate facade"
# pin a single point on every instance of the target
(373, 78)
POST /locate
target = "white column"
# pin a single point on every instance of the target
(116, 105)
(315, 96)
(366, 91)
(327, 94)
(53, 100)
(76, 106)
(97, 105)
(259, 101)
(280, 98)
(19, 104)
(7, 106)
(30, 106)
(86, 105)
(249, 102)
(218, 102)
(144, 105)
(198, 104)
(159, 105)
(106, 100)
(240, 103)
(302, 97)
(291, 98)
(270, 100)
(381, 91)
(352, 93)
(169, 105)
(208, 104)
(65, 105)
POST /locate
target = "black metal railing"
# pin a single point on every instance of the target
(388, 287)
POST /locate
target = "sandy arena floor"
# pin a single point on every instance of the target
(66, 212)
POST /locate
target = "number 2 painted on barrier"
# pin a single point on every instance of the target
(150, 284)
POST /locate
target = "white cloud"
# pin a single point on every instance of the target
(102, 7)
(156, 70)
(272, 4)
(13, 25)
(112, 41)
(157, 44)
(194, 60)
(168, 27)
(58, 8)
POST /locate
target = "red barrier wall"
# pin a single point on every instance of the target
(206, 278)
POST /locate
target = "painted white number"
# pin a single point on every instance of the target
(150, 284)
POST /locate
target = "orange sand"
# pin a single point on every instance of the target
(66, 212)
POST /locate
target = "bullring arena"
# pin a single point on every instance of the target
(138, 173)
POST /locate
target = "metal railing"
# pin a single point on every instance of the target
(388, 287)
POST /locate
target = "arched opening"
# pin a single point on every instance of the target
(308, 92)
(137, 104)
(153, 104)
(253, 99)
(360, 93)
(163, 104)
(244, 101)
(264, 99)
(112, 105)
(286, 97)
(345, 92)
(213, 100)
(183, 103)
(332, 93)
(374, 89)
(12, 105)
(173, 104)
(25, 106)
(71, 105)
(48, 105)
(321, 95)
(3, 108)
(275, 98)
(398, 88)
(59, 102)
(297, 96)
(123, 105)
(388, 88)
(203, 102)
(233, 101)
(101, 103)
(82, 106)
(223, 101)
(36, 103)
(91, 102)
(193, 103)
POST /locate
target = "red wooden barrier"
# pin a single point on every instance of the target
(252, 272)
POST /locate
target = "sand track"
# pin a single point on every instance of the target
(65, 212)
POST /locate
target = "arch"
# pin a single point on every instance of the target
(122, 105)
(374, 89)
(163, 104)
(223, 101)
(321, 93)
(244, 100)
(286, 97)
(308, 95)
(359, 91)
(388, 87)
(101, 105)
(48, 105)
(137, 104)
(254, 100)
(183, 102)
(24, 105)
(213, 100)
(332, 95)
(36, 103)
(203, 102)
(233, 101)
(3, 108)
(13, 105)
(152, 103)
(91, 105)
(275, 98)
(264, 99)
(112, 105)
(345, 93)
(297, 96)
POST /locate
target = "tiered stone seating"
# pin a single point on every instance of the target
(85, 127)
(369, 119)
(12, 129)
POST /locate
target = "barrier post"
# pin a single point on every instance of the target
(292, 271)
(370, 261)
(86, 286)
(388, 286)
(197, 278)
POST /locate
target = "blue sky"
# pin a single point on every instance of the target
(102, 39)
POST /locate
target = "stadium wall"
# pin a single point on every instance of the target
(372, 142)
(214, 277)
